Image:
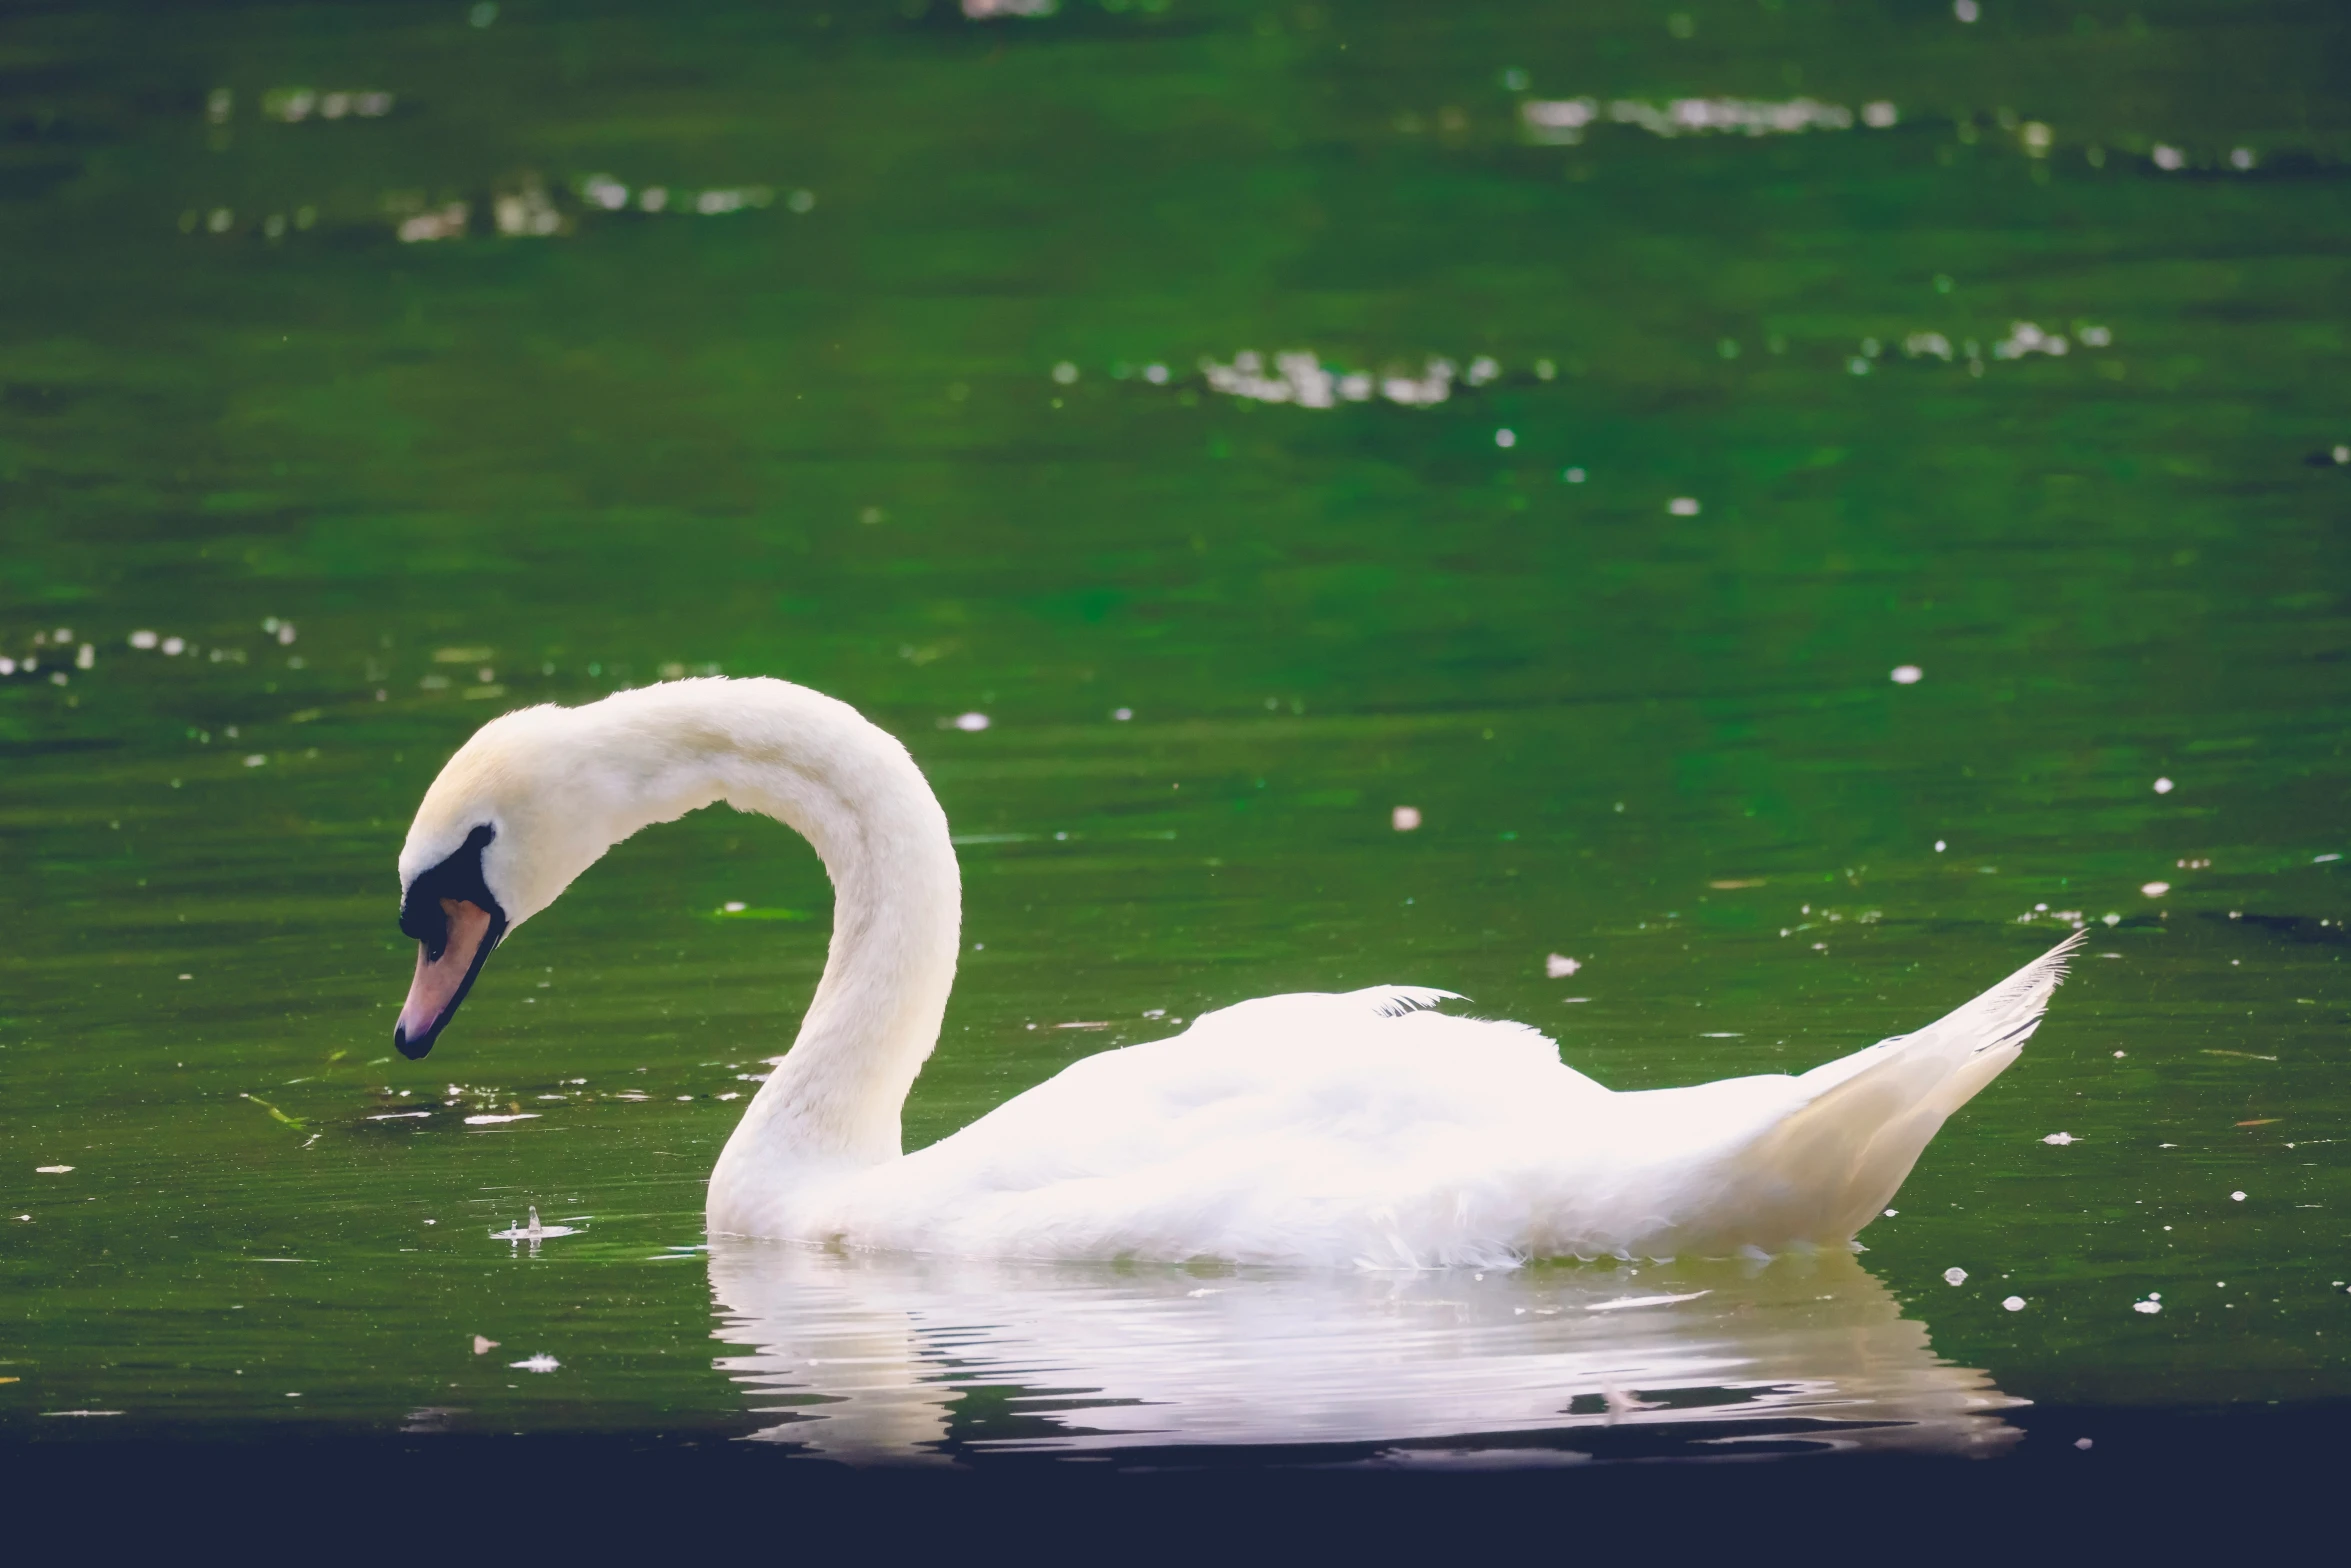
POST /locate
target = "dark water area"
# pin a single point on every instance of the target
(1790, 506)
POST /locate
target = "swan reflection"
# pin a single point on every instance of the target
(891, 1358)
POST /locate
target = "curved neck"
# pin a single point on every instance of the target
(852, 791)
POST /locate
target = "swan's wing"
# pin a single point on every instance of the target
(1266, 1132)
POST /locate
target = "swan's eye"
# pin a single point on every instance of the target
(458, 877)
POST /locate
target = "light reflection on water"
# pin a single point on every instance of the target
(893, 1358)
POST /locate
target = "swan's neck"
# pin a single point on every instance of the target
(854, 793)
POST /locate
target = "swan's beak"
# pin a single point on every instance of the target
(443, 978)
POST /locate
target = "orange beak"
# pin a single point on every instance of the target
(443, 979)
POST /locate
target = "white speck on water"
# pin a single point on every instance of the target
(2320, 860)
(1938, 846)
(1065, 373)
(538, 1363)
(734, 906)
(144, 639)
(1623, 1303)
(2014, 1303)
(1122, 714)
(1683, 506)
(2156, 889)
(1966, 10)
(1908, 675)
(255, 760)
(1558, 966)
(1573, 476)
(173, 647)
(2236, 1197)
(2110, 918)
(1955, 1276)
(2163, 786)
(1890, 1213)
(1506, 439)
(483, 1346)
(1404, 818)
(491, 1119)
(51, 1170)
(2062, 1138)
(2150, 1306)
(970, 721)
(2118, 1056)
(2169, 159)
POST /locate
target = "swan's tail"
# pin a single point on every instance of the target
(1860, 1123)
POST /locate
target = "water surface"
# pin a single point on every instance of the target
(925, 385)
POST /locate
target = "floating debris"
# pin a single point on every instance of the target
(1563, 121)
(1558, 966)
(441, 223)
(534, 1232)
(1625, 1303)
(2150, 1306)
(538, 1363)
(294, 105)
(51, 1170)
(2014, 1303)
(2024, 337)
(294, 1122)
(1955, 1276)
(1909, 675)
(492, 1118)
(2063, 1138)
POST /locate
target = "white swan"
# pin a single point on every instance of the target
(1352, 1129)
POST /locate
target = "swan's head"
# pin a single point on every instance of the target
(502, 831)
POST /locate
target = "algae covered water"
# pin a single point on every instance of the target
(1715, 530)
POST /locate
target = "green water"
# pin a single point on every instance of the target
(819, 432)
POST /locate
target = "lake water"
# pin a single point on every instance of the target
(1668, 378)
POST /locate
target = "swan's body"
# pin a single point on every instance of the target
(1353, 1129)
